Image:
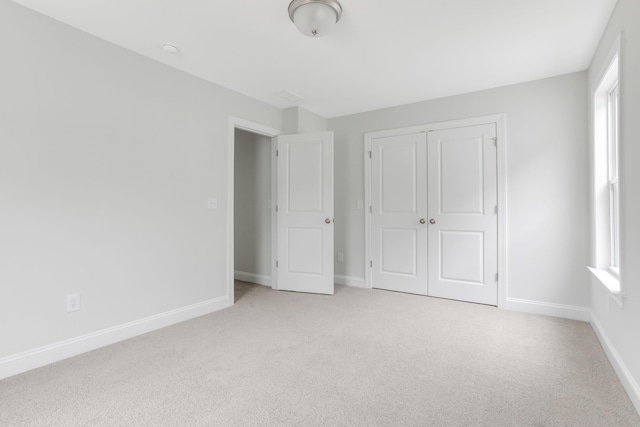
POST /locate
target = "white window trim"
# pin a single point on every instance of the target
(610, 277)
(614, 175)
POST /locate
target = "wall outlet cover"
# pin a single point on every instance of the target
(73, 302)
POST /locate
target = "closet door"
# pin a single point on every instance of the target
(463, 226)
(398, 213)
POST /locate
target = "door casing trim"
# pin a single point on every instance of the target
(500, 121)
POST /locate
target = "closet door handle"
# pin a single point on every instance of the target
(422, 221)
(432, 221)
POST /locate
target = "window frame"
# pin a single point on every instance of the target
(606, 172)
(613, 149)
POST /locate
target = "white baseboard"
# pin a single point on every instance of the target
(627, 380)
(258, 279)
(31, 359)
(549, 309)
(357, 282)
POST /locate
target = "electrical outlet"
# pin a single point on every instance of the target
(73, 302)
(340, 256)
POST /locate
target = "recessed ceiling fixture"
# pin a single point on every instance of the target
(169, 48)
(315, 18)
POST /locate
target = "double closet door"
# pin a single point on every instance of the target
(433, 224)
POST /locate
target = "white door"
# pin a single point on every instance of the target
(399, 212)
(305, 212)
(463, 226)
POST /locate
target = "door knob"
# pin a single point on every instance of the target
(432, 221)
(328, 221)
(422, 221)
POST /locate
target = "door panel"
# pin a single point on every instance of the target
(399, 251)
(398, 202)
(462, 211)
(462, 256)
(305, 251)
(304, 183)
(305, 213)
(461, 176)
(398, 176)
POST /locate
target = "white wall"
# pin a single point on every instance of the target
(106, 162)
(619, 327)
(252, 192)
(547, 183)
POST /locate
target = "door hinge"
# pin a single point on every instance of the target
(495, 141)
(371, 263)
(496, 209)
(276, 153)
(276, 208)
(370, 209)
(496, 277)
(276, 264)
(370, 154)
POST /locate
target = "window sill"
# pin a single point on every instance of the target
(610, 281)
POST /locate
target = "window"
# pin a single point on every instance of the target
(614, 184)
(606, 175)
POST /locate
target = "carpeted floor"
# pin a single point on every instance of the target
(360, 357)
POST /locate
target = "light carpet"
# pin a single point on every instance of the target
(360, 357)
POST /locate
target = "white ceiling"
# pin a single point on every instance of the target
(381, 53)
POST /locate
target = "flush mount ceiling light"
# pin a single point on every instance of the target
(315, 18)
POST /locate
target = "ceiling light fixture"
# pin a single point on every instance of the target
(315, 18)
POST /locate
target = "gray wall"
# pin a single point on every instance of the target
(106, 162)
(252, 194)
(546, 177)
(620, 324)
(299, 120)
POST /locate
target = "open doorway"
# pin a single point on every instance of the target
(252, 209)
(250, 220)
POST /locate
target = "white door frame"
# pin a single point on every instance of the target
(237, 123)
(500, 122)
